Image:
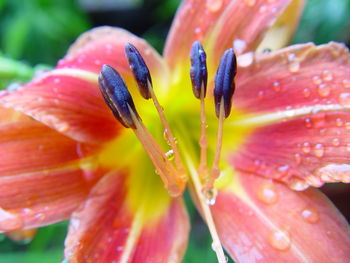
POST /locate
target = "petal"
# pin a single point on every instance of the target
(68, 99)
(294, 77)
(305, 140)
(71, 105)
(263, 221)
(107, 228)
(41, 176)
(219, 24)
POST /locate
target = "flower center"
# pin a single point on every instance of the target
(170, 165)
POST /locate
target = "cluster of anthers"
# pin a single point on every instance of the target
(173, 173)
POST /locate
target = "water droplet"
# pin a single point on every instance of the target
(119, 248)
(327, 75)
(297, 158)
(197, 30)
(263, 9)
(339, 122)
(324, 90)
(246, 59)
(239, 45)
(97, 62)
(62, 127)
(9, 220)
(170, 154)
(308, 123)
(297, 184)
(214, 5)
(210, 196)
(346, 83)
(250, 3)
(215, 246)
(310, 215)
(261, 94)
(319, 150)
(306, 147)
(347, 125)
(56, 80)
(276, 86)
(306, 92)
(348, 147)
(293, 63)
(344, 99)
(280, 240)
(317, 80)
(336, 142)
(267, 194)
(40, 216)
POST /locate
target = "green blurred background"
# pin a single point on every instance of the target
(34, 34)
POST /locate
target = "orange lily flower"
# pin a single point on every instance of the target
(64, 155)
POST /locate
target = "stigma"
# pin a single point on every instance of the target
(173, 171)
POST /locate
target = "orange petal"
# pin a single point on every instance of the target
(301, 123)
(22, 235)
(41, 176)
(70, 105)
(220, 24)
(106, 229)
(263, 221)
(68, 99)
(106, 45)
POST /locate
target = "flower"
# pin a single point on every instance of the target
(63, 152)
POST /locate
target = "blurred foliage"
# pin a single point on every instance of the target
(40, 31)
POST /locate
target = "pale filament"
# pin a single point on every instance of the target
(169, 136)
(206, 212)
(203, 143)
(215, 170)
(163, 166)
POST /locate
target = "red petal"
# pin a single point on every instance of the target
(108, 229)
(306, 140)
(41, 181)
(70, 105)
(297, 76)
(263, 221)
(105, 45)
(221, 22)
(68, 99)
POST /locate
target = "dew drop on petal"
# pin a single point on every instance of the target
(246, 59)
(344, 99)
(308, 123)
(297, 184)
(280, 240)
(317, 80)
(267, 194)
(346, 83)
(9, 220)
(210, 196)
(310, 215)
(319, 150)
(327, 75)
(170, 154)
(335, 141)
(306, 147)
(250, 3)
(276, 86)
(306, 92)
(214, 5)
(239, 45)
(324, 90)
(119, 248)
(261, 94)
(339, 122)
(294, 66)
(263, 9)
(297, 158)
(348, 147)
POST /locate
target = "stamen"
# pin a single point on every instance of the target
(199, 77)
(116, 95)
(119, 100)
(142, 76)
(225, 82)
(139, 70)
(223, 92)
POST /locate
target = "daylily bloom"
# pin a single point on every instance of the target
(64, 155)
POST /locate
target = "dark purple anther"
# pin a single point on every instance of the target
(225, 82)
(117, 96)
(139, 70)
(198, 72)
